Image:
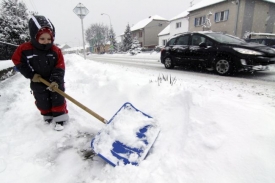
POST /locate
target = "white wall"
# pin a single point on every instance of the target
(161, 38)
(183, 28)
(174, 30)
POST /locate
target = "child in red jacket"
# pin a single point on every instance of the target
(40, 58)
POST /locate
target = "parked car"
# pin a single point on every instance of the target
(265, 41)
(216, 51)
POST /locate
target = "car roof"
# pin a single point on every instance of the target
(258, 35)
(261, 38)
(200, 32)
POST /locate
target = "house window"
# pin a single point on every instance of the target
(221, 16)
(164, 41)
(140, 34)
(178, 25)
(199, 21)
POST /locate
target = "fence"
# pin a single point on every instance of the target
(6, 50)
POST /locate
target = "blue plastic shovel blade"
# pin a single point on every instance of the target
(129, 145)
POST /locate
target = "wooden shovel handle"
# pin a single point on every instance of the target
(75, 101)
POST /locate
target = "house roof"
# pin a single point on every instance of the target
(62, 46)
(181, 15)
(141, 24)
(77, 48)
(270, 1)
(205, 3)
(165, 31)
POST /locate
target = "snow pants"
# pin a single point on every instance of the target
(51, 104)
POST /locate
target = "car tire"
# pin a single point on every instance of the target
(223, 67)
(168, 63)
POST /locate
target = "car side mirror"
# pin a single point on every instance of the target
(203, 45)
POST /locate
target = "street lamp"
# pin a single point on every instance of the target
(111, 36)
(109, 19)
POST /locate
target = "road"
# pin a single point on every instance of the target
(133, 61)
(153, 62)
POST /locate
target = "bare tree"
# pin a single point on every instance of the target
(97, 35)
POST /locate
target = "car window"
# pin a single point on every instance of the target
(225, 38)
(269, 42)
(260, 41)
(209, 42)
(182, 40)
(171, 42)
(255, 41)
(197, 39)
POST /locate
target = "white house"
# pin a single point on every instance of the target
(76, 50)
(178, 24)
(164, 35)
(63, 46)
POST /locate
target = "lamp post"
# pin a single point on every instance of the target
(109, 19)
(81, 11)
(111, 36)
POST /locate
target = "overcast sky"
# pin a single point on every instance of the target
(121, 12)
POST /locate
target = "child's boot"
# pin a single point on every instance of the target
(59, 126)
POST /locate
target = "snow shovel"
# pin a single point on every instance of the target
(127, 137)
(75, 101)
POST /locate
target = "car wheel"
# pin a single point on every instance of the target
(168, 63)
(223, 67)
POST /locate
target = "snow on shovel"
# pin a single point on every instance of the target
(127, 137)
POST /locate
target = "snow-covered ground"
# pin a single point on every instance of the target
(4, 64)
(211, 131)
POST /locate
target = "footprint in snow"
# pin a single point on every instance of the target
(80, 142)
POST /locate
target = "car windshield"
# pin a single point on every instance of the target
(224, 38)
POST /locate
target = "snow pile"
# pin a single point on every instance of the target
(211, 130)
(4, 64)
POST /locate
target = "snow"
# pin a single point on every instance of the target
(210, 130)
(120, 130)
(165, 31)
(271, 1)
(76, 48)
(141, 24)
(181, 15)
(204, 3)
(4, 64)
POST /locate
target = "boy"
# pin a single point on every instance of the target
(40, 58)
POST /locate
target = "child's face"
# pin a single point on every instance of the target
(45, 38)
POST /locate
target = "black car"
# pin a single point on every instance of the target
(265, 41)
(216, 51)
